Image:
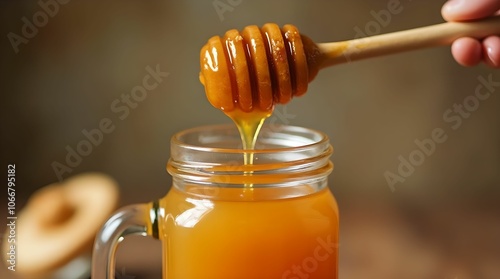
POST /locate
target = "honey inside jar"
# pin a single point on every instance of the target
(221, 246)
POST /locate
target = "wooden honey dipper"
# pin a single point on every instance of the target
(259, 67)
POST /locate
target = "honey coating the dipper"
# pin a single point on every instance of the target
(246, 73)
(256, 68)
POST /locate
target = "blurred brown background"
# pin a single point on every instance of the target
(442, 221)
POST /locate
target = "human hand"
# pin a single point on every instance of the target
(469, 51)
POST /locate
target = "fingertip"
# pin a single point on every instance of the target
(467, 51)
(450, 8)
(461, 10)
(491, 51)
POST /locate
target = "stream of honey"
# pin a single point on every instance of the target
(249, 125)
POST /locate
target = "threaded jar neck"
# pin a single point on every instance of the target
(285, 156)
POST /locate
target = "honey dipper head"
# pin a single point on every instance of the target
(257, 68)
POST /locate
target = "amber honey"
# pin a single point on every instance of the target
(267, 237)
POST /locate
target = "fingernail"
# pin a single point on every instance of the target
(453, 5)
(494, 58)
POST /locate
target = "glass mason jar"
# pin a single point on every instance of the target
(222, 219)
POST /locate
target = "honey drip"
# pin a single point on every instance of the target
(249, 125)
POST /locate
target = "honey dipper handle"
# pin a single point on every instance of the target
(434, 35)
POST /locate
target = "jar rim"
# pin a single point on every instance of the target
(320, 138)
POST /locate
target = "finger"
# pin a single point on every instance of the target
(467, 51)
(460, 10)
(491, 51)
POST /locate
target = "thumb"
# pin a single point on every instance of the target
(460, 10)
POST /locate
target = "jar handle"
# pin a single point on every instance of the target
(139, 219)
